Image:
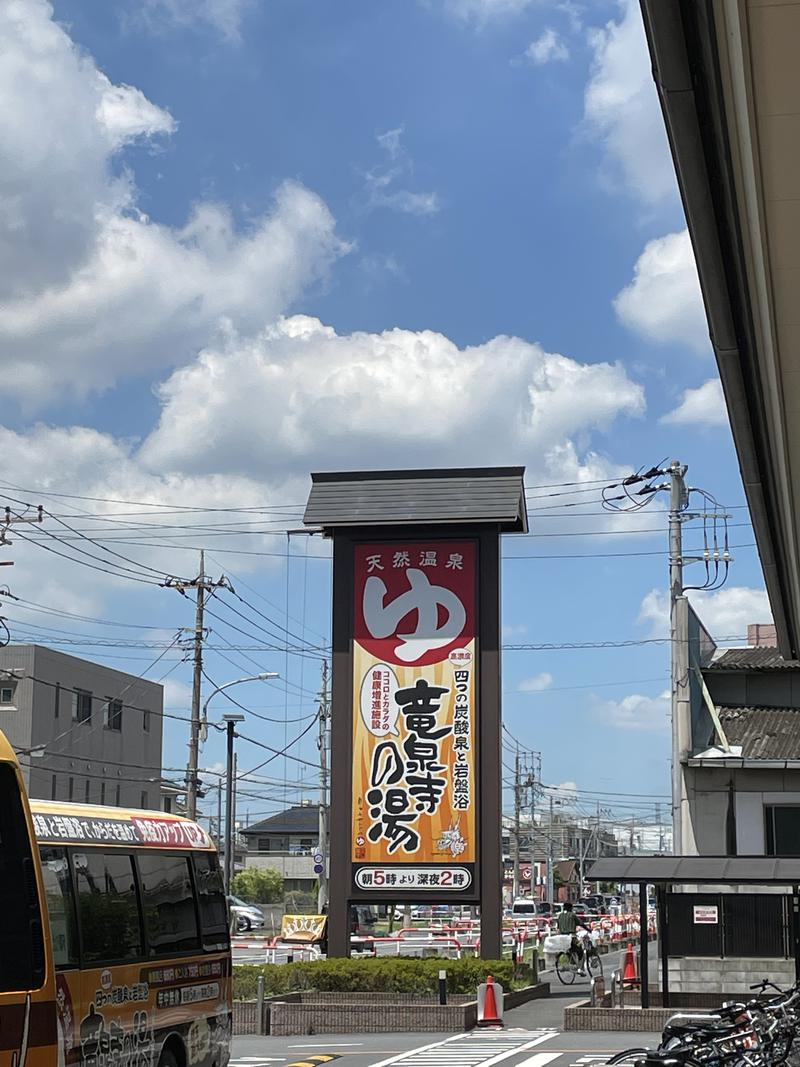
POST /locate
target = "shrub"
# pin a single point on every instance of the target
(259, 885)
(395, 975)
(298, 902)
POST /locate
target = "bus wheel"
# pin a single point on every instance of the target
(168, 1058)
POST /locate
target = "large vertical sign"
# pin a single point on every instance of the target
(414, 809)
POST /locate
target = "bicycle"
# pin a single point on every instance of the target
(570, 963)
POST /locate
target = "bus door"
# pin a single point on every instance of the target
(28, 1032)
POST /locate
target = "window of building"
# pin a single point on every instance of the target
(146, 721)
(86, 787)
(53, 788)
(783, 829)
(118, 794)
(112, 714)
(56, 699)
(102, 792)
(168, 904)
(8, 692)
(211, 901)
(71, 790)
(60, 906)
(143, 799)
(81, 705)
(108, 906)
(168, 805)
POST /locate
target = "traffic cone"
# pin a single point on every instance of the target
(629, 976)
(490, 1016)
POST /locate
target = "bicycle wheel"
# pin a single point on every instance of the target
(594, 964)
(629, 1057)
(566, 968)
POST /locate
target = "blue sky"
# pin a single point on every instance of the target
(244, 241)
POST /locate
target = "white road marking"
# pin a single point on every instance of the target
(539, 1059)
(481, 1049)
(329, 1044)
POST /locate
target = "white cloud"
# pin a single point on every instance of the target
(535, 684)
(225, 16)
(60, 126)
(704, 406)
(125, 113)
(83, 460)
(564, 793)
(547, 48)
(663, 302)
(725, 613)
(305, 395)
(483, 11)
(513, 630)
(636, 712)
(93, 290)
(177, 694)
(621, 107)
(381, 181)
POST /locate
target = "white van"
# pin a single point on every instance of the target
(524, 908)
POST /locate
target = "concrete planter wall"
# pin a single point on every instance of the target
(369, 1013)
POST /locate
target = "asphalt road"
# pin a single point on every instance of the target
(513, 1046)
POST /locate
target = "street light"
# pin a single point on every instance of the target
(265, 676)
(230, 720)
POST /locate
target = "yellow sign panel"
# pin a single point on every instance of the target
(306, 928)
(414, 718)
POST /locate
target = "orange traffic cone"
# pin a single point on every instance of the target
(490, 1016)
(629, 976)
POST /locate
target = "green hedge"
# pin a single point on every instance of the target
(395, 975)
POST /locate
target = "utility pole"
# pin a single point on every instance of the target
(219, 813)
(202, 585)
(551, 859)
(631, 834)
(324, 716)
(231, 719)
(679, 644)
(660, 828)
(517, 804)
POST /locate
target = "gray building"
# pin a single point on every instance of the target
(83, 732)
(286, 842)
(743, 776)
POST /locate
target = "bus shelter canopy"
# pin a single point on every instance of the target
(684, 870)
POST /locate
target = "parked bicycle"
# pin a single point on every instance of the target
(582, 957)
(758, 1033)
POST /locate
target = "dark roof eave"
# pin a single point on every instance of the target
(682, 46)
(697, 870)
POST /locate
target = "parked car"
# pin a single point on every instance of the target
(248, 916)
(525, 908)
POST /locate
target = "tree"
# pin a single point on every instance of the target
(258, 885)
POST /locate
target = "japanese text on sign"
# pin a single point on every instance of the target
(414, 708)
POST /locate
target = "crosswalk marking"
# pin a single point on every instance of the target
(470, 1050)
(254, 1061)
(539, 1059)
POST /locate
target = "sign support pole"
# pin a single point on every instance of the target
(490, 751)
(341, 748)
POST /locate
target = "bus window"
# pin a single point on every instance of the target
(211, 898)
(21, 938)
(60, 905)
(108, 906)
(170, 920)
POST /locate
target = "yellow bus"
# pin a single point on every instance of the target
(114, 941)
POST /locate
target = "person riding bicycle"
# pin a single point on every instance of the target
(568, 923)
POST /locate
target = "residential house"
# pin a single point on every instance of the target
(287, 842)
